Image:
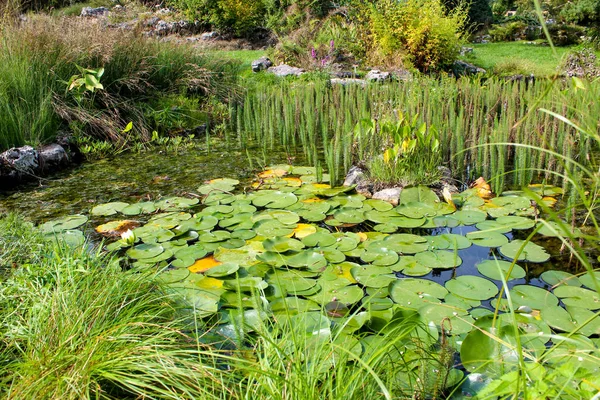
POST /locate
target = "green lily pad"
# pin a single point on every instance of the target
(319, 239)
(411, 266)
(309, 259)
(349, 215)
(104, 210)
(560, 278)
(524, 251)
(487, 238)
(469, 217)
(272, 227)
(385, 228)
(415, 293)
(378, 254)
(350, 201)
(71, 237)
(419, 194)
(347, 295)
(578, 297)
(214, 236)
(218, 185)
(373, 276)
(176, 203)
(439, 259)
(246, 284)
(512, 203)
(64, 223)
(454, 319)
(282, 244)
(529, 296)
(222, 270)
(169, 220)
(237, 221)
(379, 205)
(274, 199)
(558, 318)
(198, 223)
(461, 302)
(143, 251)
(448, 241)
(493, 226)
(293, 305)
(472, 287)
(586, 320)
(518, 223)
(145, 207)
(406, 243)
(496, 269)
(587, 280)
(554, 229)
(417, 210)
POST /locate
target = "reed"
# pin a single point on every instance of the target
(471, 116)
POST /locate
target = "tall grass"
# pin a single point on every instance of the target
(469, 115)
(38, 57)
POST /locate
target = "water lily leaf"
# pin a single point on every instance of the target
(347, 295)
(116, 228)
(448, 241)
(349, 215)
(461, 302)
(419, 194)
(346, 242)
(246, 284)
(216, 198)
(578, 297)
(71, 237)
(142, 251)
(469, 217)
(64, 223)
(417, 210)
(196, 251)
(373, 276)
(204, 264)
(272, 227)
(237, 222)
(373, 303)
(406, 243)
(496, 269)
(222, 270)
(107, 209)
(304, 230)
(169, 220)
(554, 229)
(350, 201)
(493, 226)
(309, 259)
(454, 319)
(332, 255)
(411, 266)
(385, 228)
(518, 223)
(176, 203)
(472, 287)
(327, 191)
(379, 205)
(173, 276)
(524, 251)
(218, 185)
(487, 238)
(293, 305)
(560, 278)
(244, 256)
(558, 318)
(321, 238)
(145, 207)
(587, 280)
(244, 234)
(415, 293)
(441, 221)
(587, 320)
(282, 244)
(214, 236)
(202, 302)
(529, 296)
(336, 272)
(378, 254)
(439, 259)
(198, 223)
(511, 203)
(274, 199)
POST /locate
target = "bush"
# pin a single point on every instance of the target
(565, 35)
(421, 29)
(508, 32)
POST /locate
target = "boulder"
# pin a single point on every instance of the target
(354, 176)
(285, 70)
(209, 35)
(391, 195)
(94, 12)
(465, 50)
(52, 156)
(261, 64)
(18, 161)
(462, 68)
(376, 75)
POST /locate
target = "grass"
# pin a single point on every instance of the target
(244, 57)
(511, 58)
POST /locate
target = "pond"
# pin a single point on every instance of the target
(236, 244)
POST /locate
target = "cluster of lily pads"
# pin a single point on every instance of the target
(292, 247)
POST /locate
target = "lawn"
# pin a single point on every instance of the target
(509, 58)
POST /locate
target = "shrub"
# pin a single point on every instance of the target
(508, 32)
(421, 29)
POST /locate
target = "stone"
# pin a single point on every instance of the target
(52, 156)
(285, 70)
(391, 195)
(465, 50)
(94, 12)
(209, 35)
(376, 75)
(463, 68)
(347, 81)
(151, 21)
(354, 176)
(261, 64)
(18, 161)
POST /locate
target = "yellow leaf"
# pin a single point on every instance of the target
(204, 264)
(272, 173)
(313, 200)
(303, 230)
(363, 236)
(116, 228)
(209, 283)
(294, 182)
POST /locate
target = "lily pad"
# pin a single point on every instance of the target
(554, 229)
(274, 199)
(143, 251)
(272, 228)
(411, 266)
(578, 297)
(472, 287)
(71, 237)
(282, 244)
(448, 241)
(373, 276)
(419, 194)
(454, 319)
(222, 270)
(104, 210)
(511, 203)
(529, 296)
(493, 226)
(469, 217)
(415, 293)
(406, 243)
(518, 223)
(496, 269)
(218, 185)
(64, 223)
(487, 238)
(587, 280)
(524, 251)
(378, 254)
(349, 215)
(560, 278)
(439, 259)
(347, 295)
(319, 239)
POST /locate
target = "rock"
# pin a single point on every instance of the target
(376, 75)
(94, 12)
(462, 68)
(261, 64)
(209, 35)
(285, 70)
(364, 187)
(52, 156)
(163, 28)
(403, 75)
(18, 161)
(164, 11)
(391, 195)
(465, 50)
(343, 74)
(347, 81)
(354, 176)
(151, 21)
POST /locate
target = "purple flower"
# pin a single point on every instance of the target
(313, 53)
(331, 45)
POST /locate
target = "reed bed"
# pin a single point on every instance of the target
(475, 119)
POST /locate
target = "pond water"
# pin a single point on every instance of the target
(309, 247)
